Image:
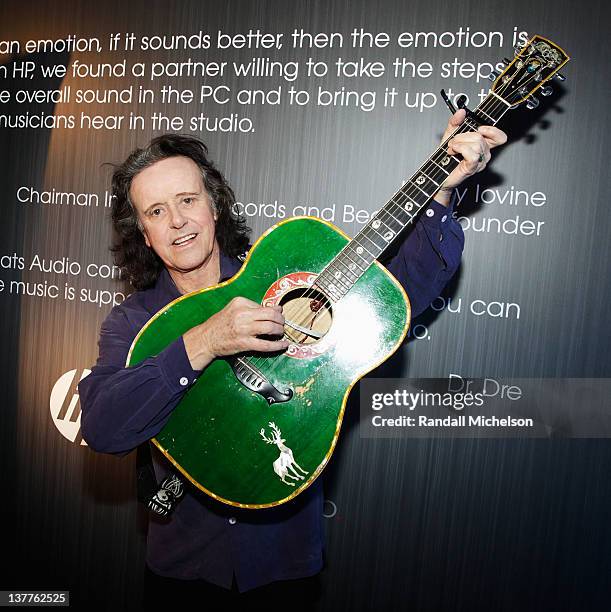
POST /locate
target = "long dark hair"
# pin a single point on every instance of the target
(139, 264)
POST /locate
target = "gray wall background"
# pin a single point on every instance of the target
(416, 524)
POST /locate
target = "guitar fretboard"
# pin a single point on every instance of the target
(401, 210)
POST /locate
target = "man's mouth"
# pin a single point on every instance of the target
(184, 239)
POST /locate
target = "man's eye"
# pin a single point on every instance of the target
(188, 200)
(155, 212)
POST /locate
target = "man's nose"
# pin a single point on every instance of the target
(177, 217)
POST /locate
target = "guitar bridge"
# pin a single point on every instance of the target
(254, 380)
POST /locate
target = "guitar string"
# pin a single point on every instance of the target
(490, 104)
(386, 213)
(492, 107)
(386, 216)
(299, 315)
(409, 194)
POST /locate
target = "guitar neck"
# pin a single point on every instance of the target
(401, 210)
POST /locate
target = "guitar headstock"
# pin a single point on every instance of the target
(535, 63)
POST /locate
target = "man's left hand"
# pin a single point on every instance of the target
(474, 149)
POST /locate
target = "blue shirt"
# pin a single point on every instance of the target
(124, 407)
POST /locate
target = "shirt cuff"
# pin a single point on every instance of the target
(437, 215)
(176, 367)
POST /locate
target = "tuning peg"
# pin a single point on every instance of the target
(506, 61)
(532, 103)
(560, 77)
(517, 49)
(546, 90)
(493, 76)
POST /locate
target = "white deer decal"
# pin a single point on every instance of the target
(285, 466)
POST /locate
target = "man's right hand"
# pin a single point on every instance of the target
(235, 329)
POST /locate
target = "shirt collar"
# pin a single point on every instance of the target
(229, 266)
(165, 285)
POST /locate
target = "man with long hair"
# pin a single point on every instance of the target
(178, 232)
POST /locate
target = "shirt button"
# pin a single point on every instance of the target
(430, 212)
(232, 520)
(184, 381)
(444, 218)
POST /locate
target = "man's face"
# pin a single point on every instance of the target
(176, 213)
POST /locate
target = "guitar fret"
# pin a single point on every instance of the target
(328, 289)
(400, 223)
(428, 195)
(492, 93)
(373, 239)
(376, 224)
(352, 263)
(388, 236)
(436, 170)
(375, 244)
(442, 169)
(400, 210)
(342, 274)
(412, 197)
(337, 277)
(417, 191)
(409, 203)
(444, 161)
(359, 238)
(441, 157)
(333, 293)
(358, 251)
(426, 176)
(415, 203)
(346, 271)
(481, 110)
(397, 209)
(386, 229)
(340, 286)
(431, 169)
(374, 229)
(454, 159)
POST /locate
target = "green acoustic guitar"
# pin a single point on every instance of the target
(256, 430)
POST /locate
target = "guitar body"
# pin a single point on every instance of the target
(227, 439)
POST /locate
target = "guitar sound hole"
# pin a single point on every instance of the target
(308, 315)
